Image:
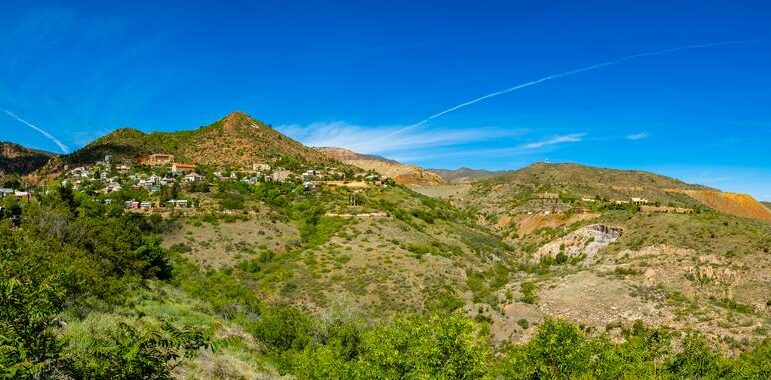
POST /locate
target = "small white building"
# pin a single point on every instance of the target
(177, 203)
(260, 167)
(281, 175)
(131, 204)
(112, 187)
(193, 177)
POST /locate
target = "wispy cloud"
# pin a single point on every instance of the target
(581, 70)
(544, 145)
(389, 139)
(49, 136)
(637, 136)
(554, 140)
(419, 145)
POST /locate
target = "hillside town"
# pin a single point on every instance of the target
(158, 183)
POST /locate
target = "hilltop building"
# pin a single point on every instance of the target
(182, 168)
(158, 159)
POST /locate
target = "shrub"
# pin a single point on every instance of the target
(283, 328)
(144, 351)
(528, 293)
(28, 341)
(413, 347)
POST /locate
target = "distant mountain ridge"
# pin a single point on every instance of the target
(401, 173)
(466, 175)
(500, 194)
(19, 160)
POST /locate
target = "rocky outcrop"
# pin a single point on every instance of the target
(587, 241)
(16, 159)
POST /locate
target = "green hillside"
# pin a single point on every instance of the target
(298, 283)
(521, 189)
(235, 140)
(146, 274)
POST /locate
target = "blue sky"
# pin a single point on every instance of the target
(361, 74)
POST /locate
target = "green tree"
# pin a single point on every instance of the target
(412, 347)
(283, 328)
(697, 360)
(67, 196)
(558, 351)
(142, 351)
(28, 326)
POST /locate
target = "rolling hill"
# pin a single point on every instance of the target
(519, 190)
(401, 173)
(235, 140)
(510, 251)
(466, 175)
(16, 159)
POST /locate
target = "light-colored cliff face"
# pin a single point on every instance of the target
(401, 173)
(587, 241)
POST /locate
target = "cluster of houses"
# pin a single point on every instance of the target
(634, 201)
(643, 205)
(146, 205)
(20, 195)
(107, 176)
(549, 203)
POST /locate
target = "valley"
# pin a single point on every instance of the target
(269, 245)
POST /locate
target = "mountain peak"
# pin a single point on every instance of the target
(236, 140)
(237, 119)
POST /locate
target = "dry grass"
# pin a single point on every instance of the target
(227, 244)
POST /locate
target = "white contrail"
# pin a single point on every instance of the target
(44, 133)
(576, 71)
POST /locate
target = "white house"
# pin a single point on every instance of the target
(193, 177)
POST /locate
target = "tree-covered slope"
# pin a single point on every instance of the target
(235, 140)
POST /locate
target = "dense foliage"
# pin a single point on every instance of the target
(84, 289)
(63, 260)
